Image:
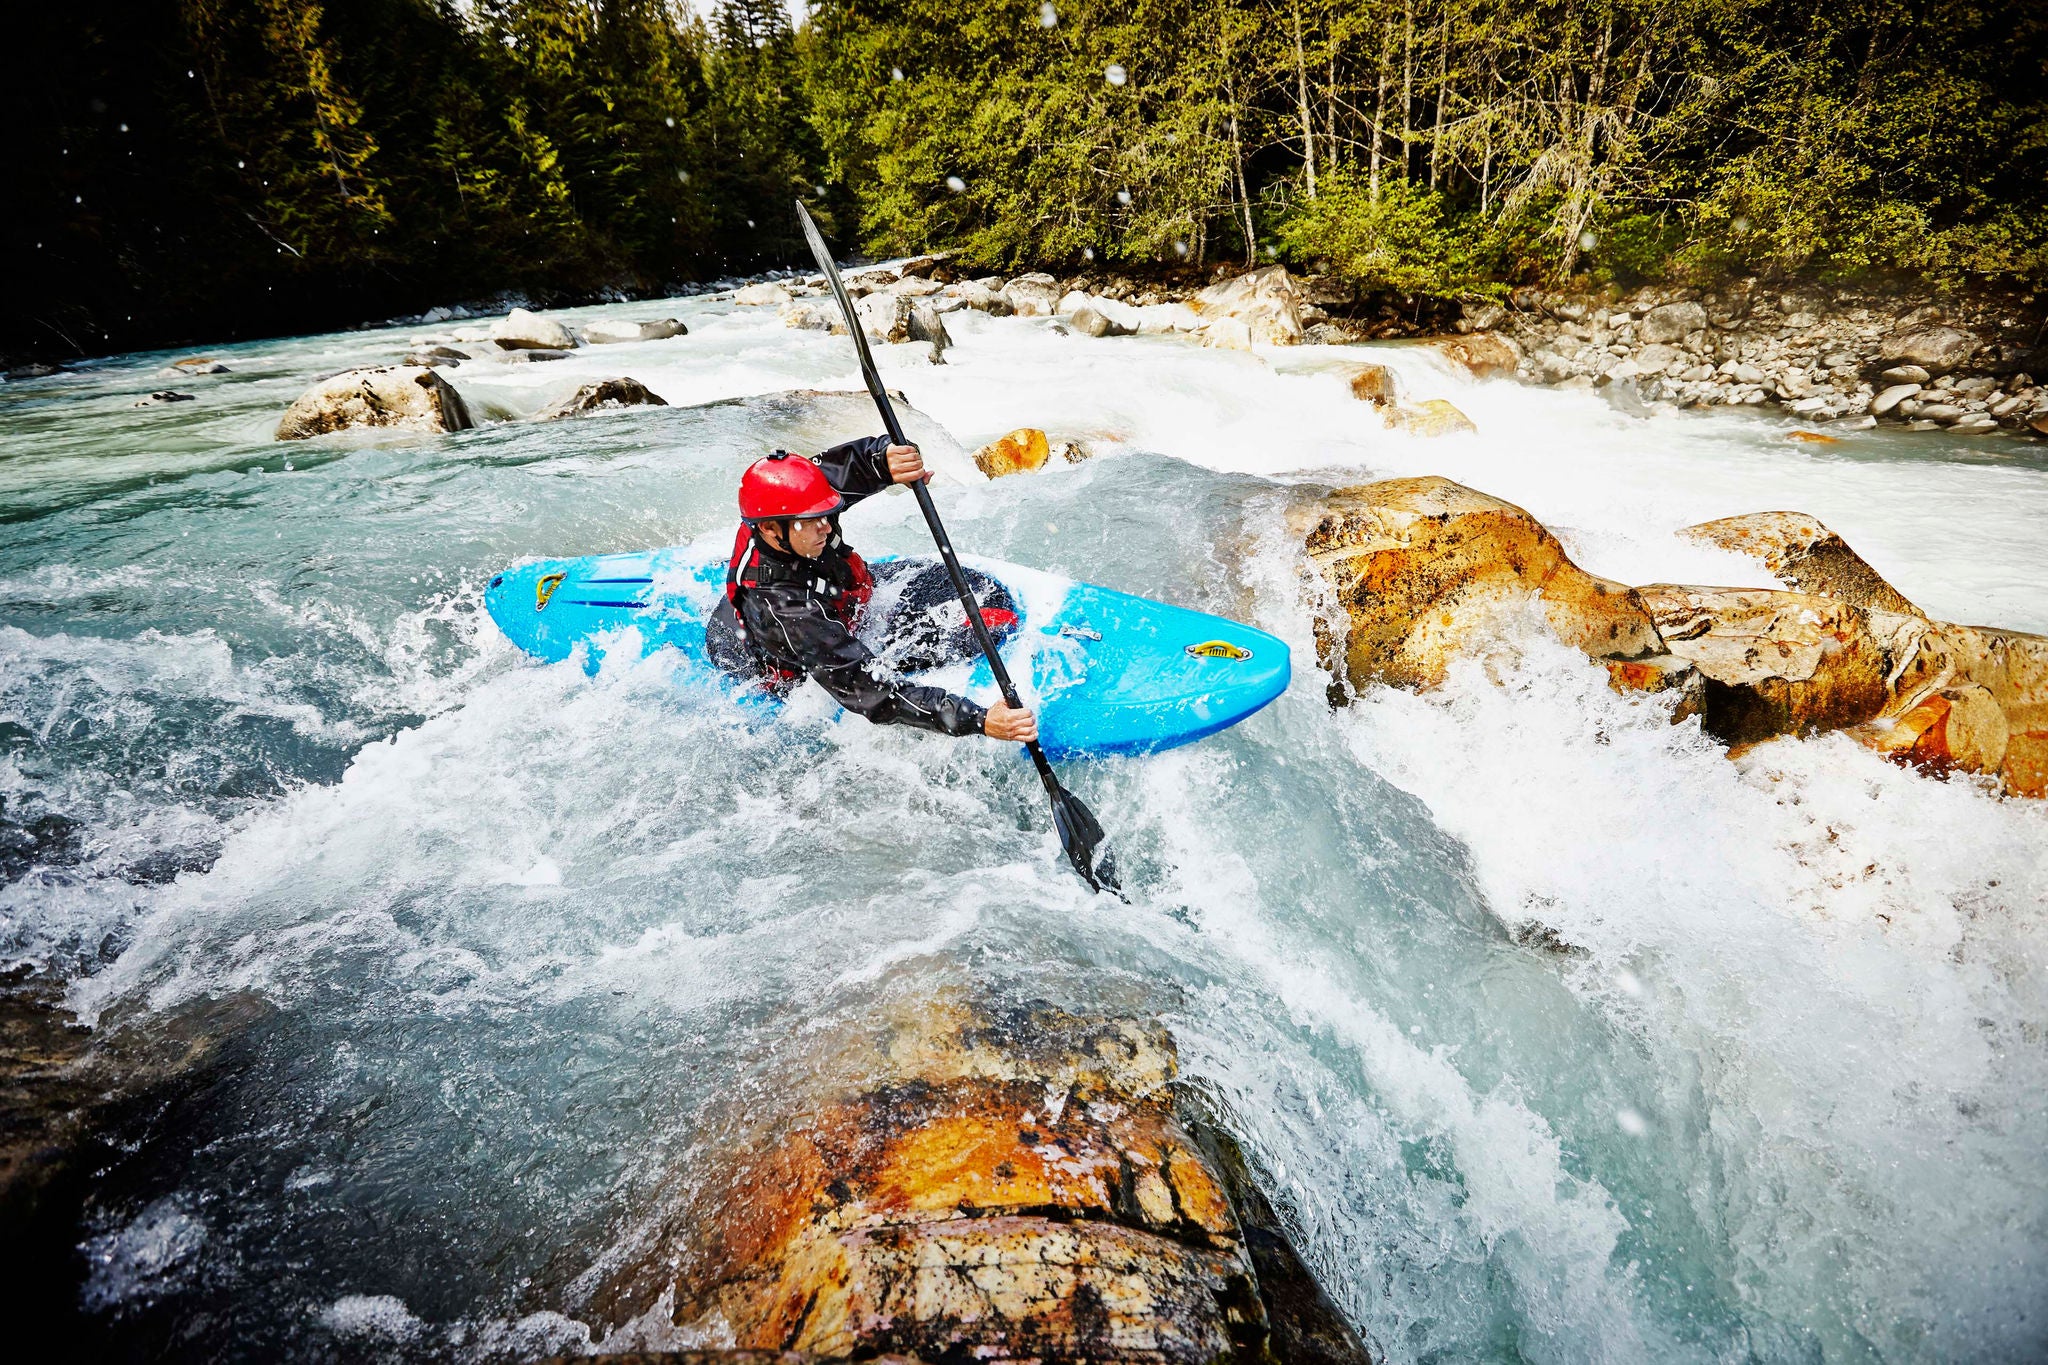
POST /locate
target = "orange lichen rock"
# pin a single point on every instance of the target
(1425, 569)
(1775, 663)
(1014, 1188)
(1022, 450)
(1806, 554)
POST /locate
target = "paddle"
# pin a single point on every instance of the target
(1080, 835)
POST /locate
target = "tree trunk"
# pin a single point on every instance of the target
(1436, 136)
(1308, 128)
(1379, 106)
(1407, 80)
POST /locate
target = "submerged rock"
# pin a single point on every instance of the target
(1373, 384)
(1806, 554)
(1482, 355)
(161, 396)
(196, 364)
(1431, 417)
(610, 331)
(1425, 570)
(1024, 449)
(406, 396)
(524, 331)
(606, 393)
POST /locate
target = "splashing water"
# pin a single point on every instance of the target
(1554, 1033)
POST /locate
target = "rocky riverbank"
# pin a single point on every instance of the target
(1826, 356)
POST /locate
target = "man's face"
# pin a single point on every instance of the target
(808, 536)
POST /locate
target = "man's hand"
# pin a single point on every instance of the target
(906, 465)
(1015, 724)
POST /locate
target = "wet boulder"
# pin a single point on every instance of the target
(925, 324)
(1094, 316)
(611, 331)
(1805, 554)
(1228, 334)
(1431, 417)
(408, 397)
(1035, 295)
(1019, 452)
(979, 295)
(524, 331)
(1774, 662)
(1265, 301)
(606, 393)
(884, 317)
(160, 397)
(1932, 658)
(766, 294)
(812, 317)
(1425, 571)
(1002, 1185)
(1954, 728)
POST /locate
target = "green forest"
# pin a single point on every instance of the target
(208, 169)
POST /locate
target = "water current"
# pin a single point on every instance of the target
(1553, 1034)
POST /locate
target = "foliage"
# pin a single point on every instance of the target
(225, 167)
(1403, 241)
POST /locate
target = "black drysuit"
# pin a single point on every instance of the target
(788, 617)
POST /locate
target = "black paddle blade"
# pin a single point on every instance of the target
(1082, 837)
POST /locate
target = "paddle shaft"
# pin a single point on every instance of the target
(945, 544)
(873, 377)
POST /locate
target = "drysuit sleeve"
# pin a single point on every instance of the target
(857, 469)
(795, 628)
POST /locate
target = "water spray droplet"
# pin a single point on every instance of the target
(1048, 17)
(1180, 248)
(956, 184)
(1087, 253)
(1587, 241)
(1741, 224)
(1630, 1122)
(1123, 196)
(895, 73)
(670, 120)
(1114, 74)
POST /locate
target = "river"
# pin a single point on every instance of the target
(1554, 1034)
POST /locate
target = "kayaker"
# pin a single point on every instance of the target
(794, 592)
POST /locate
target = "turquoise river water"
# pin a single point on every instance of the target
(523, 943)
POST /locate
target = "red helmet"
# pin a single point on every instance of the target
(786, 485)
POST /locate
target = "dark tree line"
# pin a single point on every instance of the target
(203, 169)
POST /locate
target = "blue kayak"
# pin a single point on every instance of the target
(1108, 673)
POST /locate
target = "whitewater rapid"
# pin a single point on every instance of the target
(1554, 1034)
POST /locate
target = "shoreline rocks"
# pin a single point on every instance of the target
(1824, 357)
